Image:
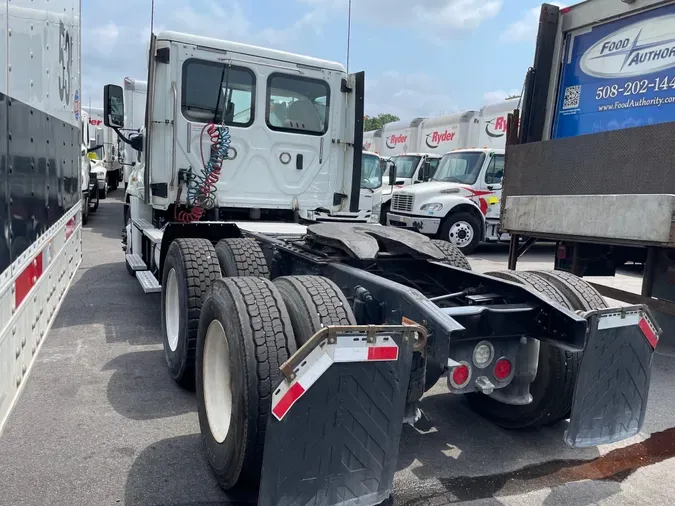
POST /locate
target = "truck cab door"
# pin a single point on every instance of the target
(283, 119)
(490, 194)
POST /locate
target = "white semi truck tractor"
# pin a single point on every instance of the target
(42, 159)
(297, 334)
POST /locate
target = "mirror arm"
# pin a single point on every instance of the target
(136, 143)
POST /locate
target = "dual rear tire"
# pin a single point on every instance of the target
(249, 327)
(227, 331)
(553, 387)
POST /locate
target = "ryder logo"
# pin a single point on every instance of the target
(435, 138)
(393, 140)
(641, 48)
(496, 127)
(95, 122)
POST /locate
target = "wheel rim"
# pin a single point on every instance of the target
(171, 310)
(461, 234)
(217, 380)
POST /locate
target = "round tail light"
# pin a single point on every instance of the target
(460, 375)
(503, 369)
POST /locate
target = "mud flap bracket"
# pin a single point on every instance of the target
(610, 397)
(337, 417)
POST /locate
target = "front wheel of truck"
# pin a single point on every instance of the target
(245, 335)
(461, 229)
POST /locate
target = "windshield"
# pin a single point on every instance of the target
(406, 165)
(459, 168)
(371, 174)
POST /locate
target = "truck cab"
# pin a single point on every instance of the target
(460, 203)
(288, 117)
(411, 168)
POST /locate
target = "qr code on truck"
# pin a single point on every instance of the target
(572, 95)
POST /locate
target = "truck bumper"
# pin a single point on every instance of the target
(423, 224)
(493, 231)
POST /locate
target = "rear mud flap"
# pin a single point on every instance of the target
(334, 434)
(610, 397)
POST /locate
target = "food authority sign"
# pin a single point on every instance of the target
(618, 75)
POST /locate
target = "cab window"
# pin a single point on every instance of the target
(213, 92)
(433, 165)
(495, 171)
(297, 104)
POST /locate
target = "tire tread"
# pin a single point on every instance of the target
(453, 255)
(247, 255)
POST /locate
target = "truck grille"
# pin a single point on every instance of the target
(402, 202)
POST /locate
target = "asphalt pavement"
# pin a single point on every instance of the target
(100, 422)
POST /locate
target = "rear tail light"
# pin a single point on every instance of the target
(460, 375)
(483, 354)
(503, 369)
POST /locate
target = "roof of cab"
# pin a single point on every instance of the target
(236, 47)
(499, 151)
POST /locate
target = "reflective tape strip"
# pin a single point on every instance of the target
(649, 332)
(347, 349)
(619, 319)
(27, 279)
(70, 227)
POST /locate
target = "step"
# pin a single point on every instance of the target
(148, 282)
(149, 231)
(136, 263)
(154, 234)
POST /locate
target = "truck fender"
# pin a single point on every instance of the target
(214, 231)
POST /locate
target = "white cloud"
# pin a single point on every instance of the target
(490, 97)
(525, 29)
(407, 95)
(437, 15)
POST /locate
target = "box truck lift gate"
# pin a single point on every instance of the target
(337, 404)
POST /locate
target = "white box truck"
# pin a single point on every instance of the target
(42, 159)
(110, 152)
(301, 337)
(591, 165)
(372, 141)
(461, 204)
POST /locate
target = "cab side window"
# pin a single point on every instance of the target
(297, 104)
(213, 92)
(433, 165)
(495, 171)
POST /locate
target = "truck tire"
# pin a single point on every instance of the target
(85, 211)
(241, 257)
(95, 208)
(582, 295)
(461, 229)
(103, 194)
(190, 267)
(383, 212)
(553, 387)
(313, 302)
(244, 337)
(453, 255)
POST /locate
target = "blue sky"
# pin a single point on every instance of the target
(421, 57)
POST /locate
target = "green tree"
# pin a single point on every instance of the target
(375, 122)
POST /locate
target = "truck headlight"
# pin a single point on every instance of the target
(432, 207)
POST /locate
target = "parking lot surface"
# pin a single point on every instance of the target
(100, 422)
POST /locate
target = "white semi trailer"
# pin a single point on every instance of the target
(42, 159)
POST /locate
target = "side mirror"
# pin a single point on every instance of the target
(113, 106)
(425, 171)
(392, 174)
